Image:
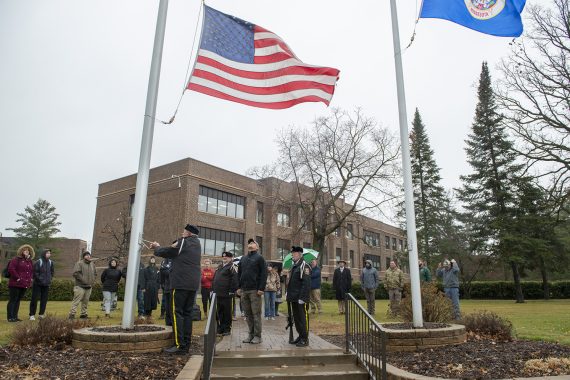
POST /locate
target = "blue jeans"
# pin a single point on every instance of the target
(453, 295)
(269, 298)
(140, 302)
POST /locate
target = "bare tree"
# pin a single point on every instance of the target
(535, 94)
(118, 234)
(343, 165)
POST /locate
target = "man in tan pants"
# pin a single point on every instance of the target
(85, 274)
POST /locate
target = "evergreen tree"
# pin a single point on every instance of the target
(489, 193)
(430, 200)
(39, 224)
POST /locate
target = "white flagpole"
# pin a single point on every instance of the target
(408, 188)
(143, 173)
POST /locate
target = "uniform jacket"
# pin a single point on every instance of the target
(165, 267)
(84, 273)
(43, 271)
(185, 273)
(21, 269)
(342, 281)
(252, 272)
(299, 286)
(394, 279)
(225, 281)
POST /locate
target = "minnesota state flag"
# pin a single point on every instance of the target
(495, 17)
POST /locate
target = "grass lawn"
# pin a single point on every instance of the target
(536, 320)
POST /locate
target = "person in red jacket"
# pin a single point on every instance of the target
(21, 269)
(206, 284)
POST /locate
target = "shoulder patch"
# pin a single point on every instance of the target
(307, 270)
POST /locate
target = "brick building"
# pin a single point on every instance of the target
(65, 253)
(229, 209)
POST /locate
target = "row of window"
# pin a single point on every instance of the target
(221, 203)
(214, 242)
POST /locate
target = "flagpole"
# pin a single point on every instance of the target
(408, 188)
(143, 173)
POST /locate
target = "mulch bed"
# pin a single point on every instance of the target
(476, 359)
(65, 362)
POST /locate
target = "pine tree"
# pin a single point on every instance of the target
(39, 224)
(430, 200)
(489, 193)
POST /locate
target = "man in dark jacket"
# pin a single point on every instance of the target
(298, 290)
(43, 273)
(252, 275)
(149, 286)
(225, 284)
(315, 299)
(165, 267)
(342, 281)
(185, 281)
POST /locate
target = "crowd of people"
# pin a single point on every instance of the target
(250, 282)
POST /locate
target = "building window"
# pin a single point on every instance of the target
(283, 247)
(388, 259)
(401, 245)
(351, 256)
(221, 203)
(214, 242)
(337, 232)
(259, 241)
(375, 260)
(338, 254)
(131, 204)
(387, 242)
(394, 242)
(372, 238)
(349, 232)
(283, 217)
(259, 213)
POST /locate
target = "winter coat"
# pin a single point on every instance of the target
(150, 284)
(110, 279)
(394, 279)
(252, 272)
(21, 269)
(225, 281)
(206, 278)
(450, 276)
(164, 274)
(43, 270)
(425, 274)
(186, 254)
(272, 283)
(342, 281)
(369, 278)
(315, 277)
(299, 286)
(84, 273)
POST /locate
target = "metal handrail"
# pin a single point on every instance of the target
(366, 338)
(210, 338)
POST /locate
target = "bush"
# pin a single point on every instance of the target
(62, 290)
(489, 324)
(506, 290)
(50, 330)
(436, 307)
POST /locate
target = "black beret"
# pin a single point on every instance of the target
(227, 254)
(192, 228)
(296, 249)
(251, 241)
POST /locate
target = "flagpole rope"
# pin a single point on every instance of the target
(415, 25)
(186, 78)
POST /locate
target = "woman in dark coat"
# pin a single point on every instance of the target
(342, 281)
(21, 270)
(110, 279)
(150, 284)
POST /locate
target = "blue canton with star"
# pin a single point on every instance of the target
(228, 36)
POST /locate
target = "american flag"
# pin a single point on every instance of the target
(245, 63)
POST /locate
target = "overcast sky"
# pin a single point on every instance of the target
(74, 74)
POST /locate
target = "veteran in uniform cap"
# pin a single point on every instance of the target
(225, 284)
(298, 292)
(185, 253)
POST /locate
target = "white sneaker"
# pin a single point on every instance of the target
(272, 318)
(41, 316)
(32, 318)
(266, 318)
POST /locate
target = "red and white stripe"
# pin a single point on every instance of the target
(277, 79)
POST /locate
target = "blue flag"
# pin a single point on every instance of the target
(496, 17)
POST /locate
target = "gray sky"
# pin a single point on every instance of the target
(74, 74)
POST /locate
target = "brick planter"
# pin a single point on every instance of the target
(417, 339)
(151, 341)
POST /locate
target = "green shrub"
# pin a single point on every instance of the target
(488, 324)
(48, 331)
(62, 290)
(506, 290)
(436, 307)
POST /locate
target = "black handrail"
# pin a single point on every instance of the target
(366, 338)
(210, 338)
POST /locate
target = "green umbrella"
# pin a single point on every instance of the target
(308, 255)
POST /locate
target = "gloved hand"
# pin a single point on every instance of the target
(301, 302)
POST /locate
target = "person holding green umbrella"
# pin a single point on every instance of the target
(307, 254)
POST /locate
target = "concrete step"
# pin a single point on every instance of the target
(297, 372)
(282, 357)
